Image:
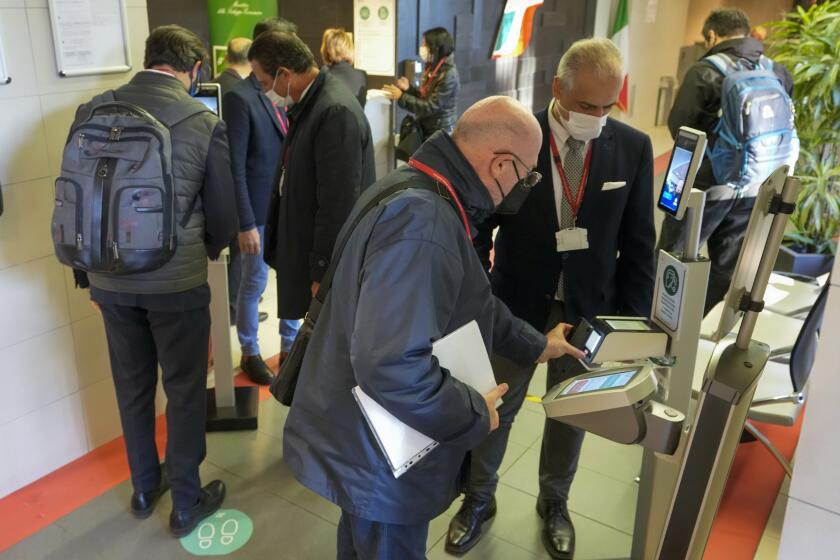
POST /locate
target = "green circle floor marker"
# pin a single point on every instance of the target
(223, 532)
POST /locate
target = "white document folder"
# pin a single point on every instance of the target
(463, 353)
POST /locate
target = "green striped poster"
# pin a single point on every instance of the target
(234, 18)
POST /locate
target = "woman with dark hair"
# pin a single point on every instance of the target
(434, 102)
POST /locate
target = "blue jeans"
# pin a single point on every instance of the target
(253, 282)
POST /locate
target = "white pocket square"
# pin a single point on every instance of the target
(612, 185)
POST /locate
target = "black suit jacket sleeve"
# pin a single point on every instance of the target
(338, 181)
(635, 268)
(239, 131)
(217, 195)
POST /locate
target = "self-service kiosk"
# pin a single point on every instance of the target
(687, 454)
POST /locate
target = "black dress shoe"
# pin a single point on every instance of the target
(143, 503)
(465, 528)
(182, 523)
(558, 533)
(256, 369)
(262, 316)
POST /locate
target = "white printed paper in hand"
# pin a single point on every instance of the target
(462, 352)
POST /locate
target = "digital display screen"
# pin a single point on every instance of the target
(672, 190)
(210, 100)
(611, 381)
(628, 325)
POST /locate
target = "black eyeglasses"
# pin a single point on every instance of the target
(531, 178)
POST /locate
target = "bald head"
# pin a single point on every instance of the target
(501, 139)
(237, 51)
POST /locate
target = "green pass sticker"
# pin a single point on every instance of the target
(383, 13)
(222, 533)
(364, 13)
(671, 280)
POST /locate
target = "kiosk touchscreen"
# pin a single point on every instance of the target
(211, 96)
(617, 404)
(686, 156)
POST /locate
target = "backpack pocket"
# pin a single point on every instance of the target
(138, 237)
(68, 233)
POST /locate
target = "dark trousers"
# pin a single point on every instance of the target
(724, 227)
(139, 339)
(372, 540)
(560, 445)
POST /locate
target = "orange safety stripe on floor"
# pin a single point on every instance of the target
(660, 164)
(750, 494)
(41, 503)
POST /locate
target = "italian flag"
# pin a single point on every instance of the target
(621, 37)
(515, 29)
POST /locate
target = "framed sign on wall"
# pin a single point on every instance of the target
(4, 70)
(90, 37)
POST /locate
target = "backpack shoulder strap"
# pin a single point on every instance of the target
(341, 243)
(107, 96)
(175, 113)
(765, 63)
(722, 63)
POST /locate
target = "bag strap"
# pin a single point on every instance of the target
(326, 281)
(722, 63)
(180, 111)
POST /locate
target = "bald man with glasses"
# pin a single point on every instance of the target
(582, 245)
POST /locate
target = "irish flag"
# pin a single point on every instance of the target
(621, 37)
(515, 29)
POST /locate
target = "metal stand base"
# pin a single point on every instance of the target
(242, 416)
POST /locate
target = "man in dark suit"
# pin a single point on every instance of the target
(327, 161)
(237, 68)
(582, 245)
(256, 128)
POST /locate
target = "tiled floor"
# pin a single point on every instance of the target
(292, 523)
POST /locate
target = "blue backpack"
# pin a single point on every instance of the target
(755, 133)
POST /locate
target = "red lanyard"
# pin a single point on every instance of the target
(567, 191)
(420, 166)
(428, 78)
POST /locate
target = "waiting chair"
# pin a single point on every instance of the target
(780, 393)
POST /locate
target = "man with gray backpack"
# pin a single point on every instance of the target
(144, 197)
(741, 99)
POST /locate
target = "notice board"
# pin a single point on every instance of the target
(90, 36)
(375, 34)
(4, 70)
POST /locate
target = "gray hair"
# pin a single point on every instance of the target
(597, 53)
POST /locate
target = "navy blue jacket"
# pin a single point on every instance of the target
(256, 141)
(616, 274)
(408, 276)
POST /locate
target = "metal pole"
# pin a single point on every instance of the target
(768, 260)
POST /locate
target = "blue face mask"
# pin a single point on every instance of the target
(194, 82)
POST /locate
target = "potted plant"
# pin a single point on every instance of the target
(808, 43)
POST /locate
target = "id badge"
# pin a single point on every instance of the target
(572, 239)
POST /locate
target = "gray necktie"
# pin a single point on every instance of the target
(573, 169)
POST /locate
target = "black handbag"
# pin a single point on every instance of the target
(411, 138)
(284, 383)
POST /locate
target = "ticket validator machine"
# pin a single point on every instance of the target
(686, 464)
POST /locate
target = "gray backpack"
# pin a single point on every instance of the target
(115, 209)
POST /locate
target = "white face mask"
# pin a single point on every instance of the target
(424, 53)
(581, 126)
(276, 98)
